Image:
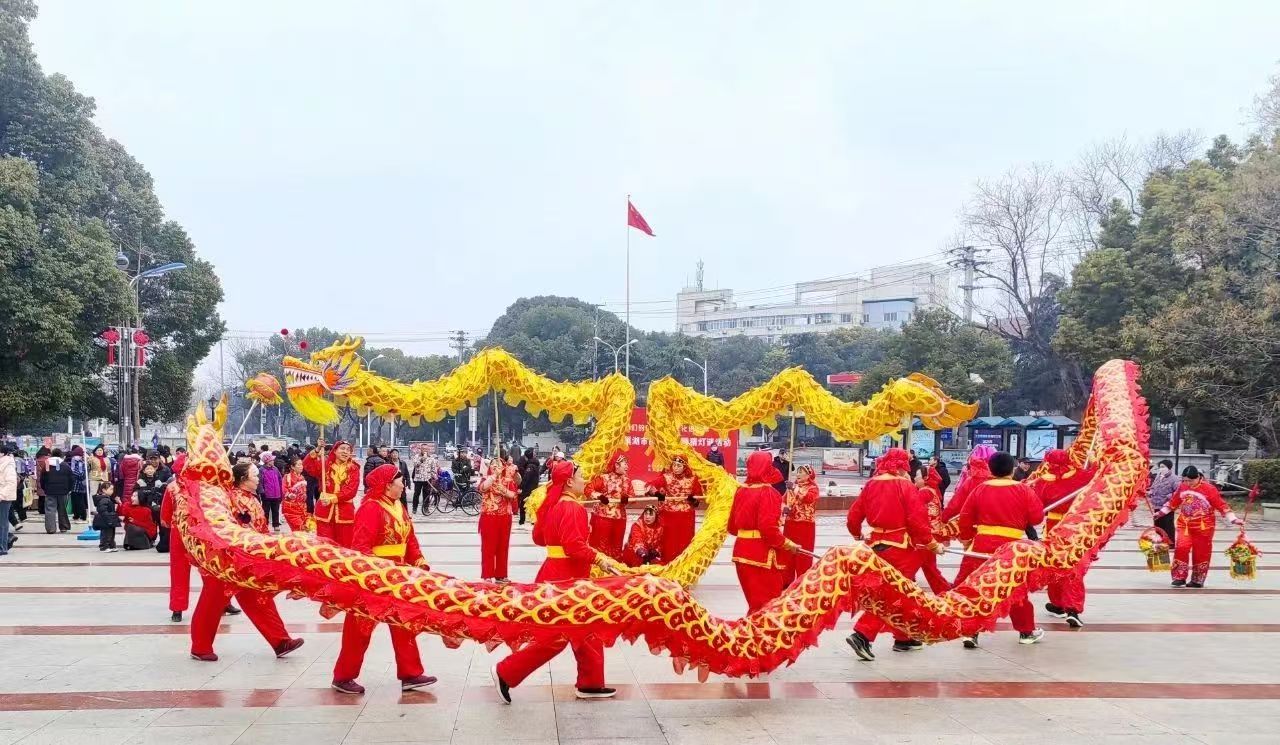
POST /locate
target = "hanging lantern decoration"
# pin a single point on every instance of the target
(111, 340)
(1244, 558)
(1155, 545)
(140, 342)
(264, 389)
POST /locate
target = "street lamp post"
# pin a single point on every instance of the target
(127, 360)
(368, 415)
(703, 368)
(1178, 411)
(617, 351)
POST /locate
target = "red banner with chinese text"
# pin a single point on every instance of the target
(641, 462)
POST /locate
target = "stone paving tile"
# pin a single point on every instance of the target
(188, 735)
(294, 734)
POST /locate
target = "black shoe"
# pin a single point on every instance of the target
(1055, 611)
(971, 642)
(861, 646)
(587, 693)
(915, 644)
(504, 691)
(231, 610)
(903, 647)
(1178, 583)
(1073, 620)
(1195, 585)
(176, 617)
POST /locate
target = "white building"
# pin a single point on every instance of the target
(886, 298)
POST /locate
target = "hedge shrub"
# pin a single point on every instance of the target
(1267, 475)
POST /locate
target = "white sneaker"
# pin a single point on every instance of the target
(1032, 637)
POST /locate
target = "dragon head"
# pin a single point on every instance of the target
(332, 370)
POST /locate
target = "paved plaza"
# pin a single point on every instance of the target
(92, 659)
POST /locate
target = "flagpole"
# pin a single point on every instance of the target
(626, 337)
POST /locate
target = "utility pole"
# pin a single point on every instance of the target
(965, 258)
(595, 347)
(458, 340)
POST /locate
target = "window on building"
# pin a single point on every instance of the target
(702, 325)
(846, 318)
(891, 316)
(822, 318)
(866, 318)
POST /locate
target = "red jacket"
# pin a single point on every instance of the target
(1195, 504)
(383, 528)
(756, 517)
(894, 513)
(167, 504)
(564, 527)
(1000, 507)
(678, 491)
(978, 475)
(341, 482)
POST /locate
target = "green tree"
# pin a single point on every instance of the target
(72, 200)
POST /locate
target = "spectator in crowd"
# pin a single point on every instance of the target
(782, 462)
(8, 494)
(462, 470)
(80, 485)
(372, 460)
(715, 456)
(1162, 488)
(313, 483)
(99, 468)
(1023, 470)
(915, 465)
(105, 518)
(42, 462)
(270, 489)
(530, 473)
(424, 469)
(56, 482)
(26, 487)
(393, 457)
(936, 464)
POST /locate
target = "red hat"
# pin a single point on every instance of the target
(760, 469)
(376, 483)
(613, 461)
(895, 460)
(1058, 462)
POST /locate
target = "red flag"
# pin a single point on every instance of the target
(636, 220)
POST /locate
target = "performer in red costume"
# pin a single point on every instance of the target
(499, 499)
(1058, 480)
(179, 564)
(561, 527)
(761, 553)
(339, 479)
(929, 486)
(799, 505)
(260, 607)
(677, 489)
(294, 507)
(976, 472)
(1195, 501)
(383, 528)
(609, 521)
(644, 544)
(995, 513)
(898, 530)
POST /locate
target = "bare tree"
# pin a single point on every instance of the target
(1266, 109)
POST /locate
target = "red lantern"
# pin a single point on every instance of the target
(284, 332)
(110, 339)
(140, 342)
(303, 344)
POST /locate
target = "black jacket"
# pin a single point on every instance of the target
(946, 477)
(57, 481)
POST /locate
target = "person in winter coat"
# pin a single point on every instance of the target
(393, 458)
(42, 462)
(8, 493)
(530, 473)
(80, 488)
(56, 483)
(105, 518)
(271, 489)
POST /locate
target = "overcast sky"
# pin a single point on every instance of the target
(409, 168)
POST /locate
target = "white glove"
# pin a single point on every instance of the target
(1231, 518)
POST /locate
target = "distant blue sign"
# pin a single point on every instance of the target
(992, 437)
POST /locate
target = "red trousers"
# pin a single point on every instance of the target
(495, 543)
(1068, 592)
(356, 633)
(677, 533)
(929, 567)
(1021, 614)
(295, 513)
(1195, 543)
(760, 584)
(522, 663)
(260, 607)
(179, 574)
(803, 533)
(905, 560)
(339, 533)
(607, 535)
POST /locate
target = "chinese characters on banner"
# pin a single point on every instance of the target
(641, 462)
